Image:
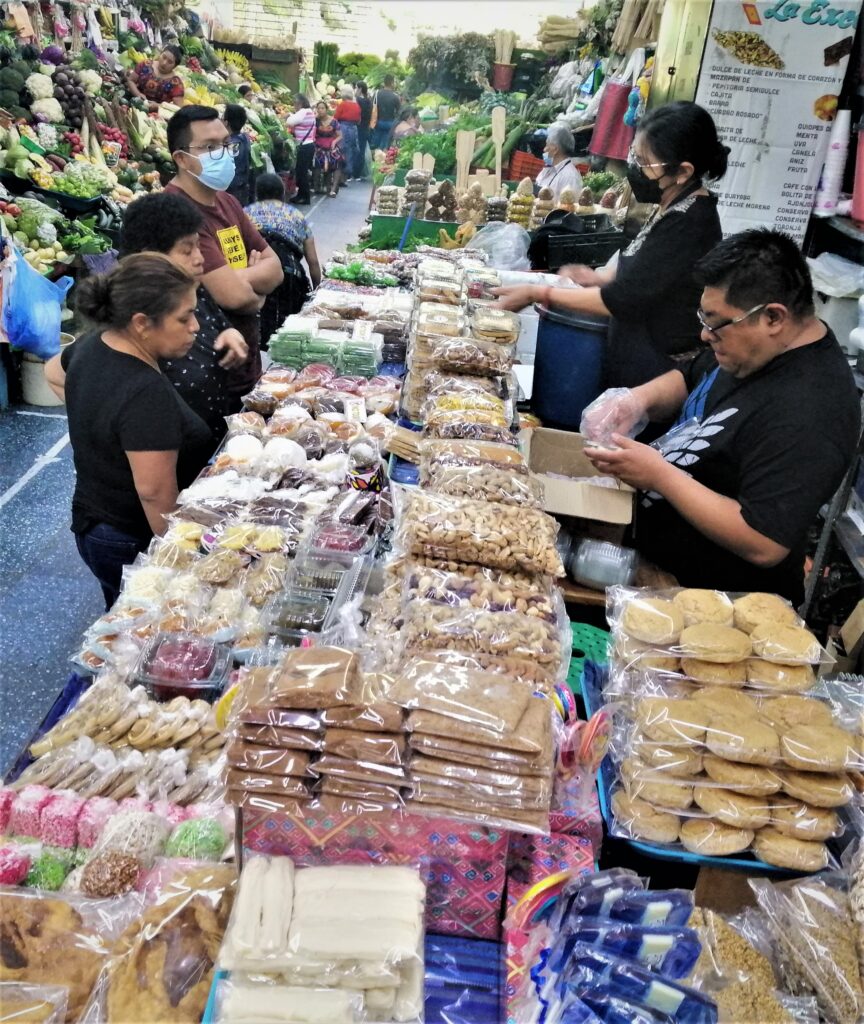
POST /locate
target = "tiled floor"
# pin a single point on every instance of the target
(47, 596)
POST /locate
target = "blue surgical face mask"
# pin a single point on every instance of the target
(547, 159)
(217, 173)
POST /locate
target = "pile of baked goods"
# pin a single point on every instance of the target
(718, 747)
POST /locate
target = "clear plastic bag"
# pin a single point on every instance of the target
(505, 245)
(445, 453)
(479, 756)
(251, 757)
(532, 735)
(498, 325)
(486, 533)
(472, 356)
(315, 678)
(378, 748)
(20, 1002)
(469, 424)
(486, 483)
(616, 411)
(480, 588)
(241, 1002)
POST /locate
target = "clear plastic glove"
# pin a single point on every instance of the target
(616, 411)
(580, 274)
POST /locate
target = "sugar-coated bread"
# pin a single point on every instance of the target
(653, 620)
(704, 606)
(784, 851)
(642, 820)
(713, 838)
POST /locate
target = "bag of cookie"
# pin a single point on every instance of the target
(40, 1004)
(481, 532)
(472, 356)
(466, 694)
(813, 929)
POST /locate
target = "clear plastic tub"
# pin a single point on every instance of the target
(319, 572)
(183, 665)
(340, 539)
(297, 610)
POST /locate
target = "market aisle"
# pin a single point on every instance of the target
(48, 597)
(337, 222)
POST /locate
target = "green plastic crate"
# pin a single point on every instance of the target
(588, 642)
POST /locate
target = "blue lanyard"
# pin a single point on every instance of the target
(694, 407)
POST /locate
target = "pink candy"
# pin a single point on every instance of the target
(27, 810)
(135, 803)
(14, 866)
(174, 814)
(94, 815)
(7, 798)
(60, 821)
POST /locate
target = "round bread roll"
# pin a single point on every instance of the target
(733, 809)
(750, 779)
(801, 821)
(649, 784)
(653, 620)
(643, 658)
(718, 698)
(784, 713)
(817, 789)
(818, 748)
(680, 762)
(667, 720)
(788, 645)
(783, 851)
(732, 674)
(642, 820)
(753, 609)
(720, 644)
(770, 675)
(704, 606)
(741, 739)
(713, 838)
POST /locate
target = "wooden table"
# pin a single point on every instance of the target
(647, 575)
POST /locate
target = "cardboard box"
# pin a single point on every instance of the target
(553, 454)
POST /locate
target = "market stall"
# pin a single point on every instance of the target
(331, 755)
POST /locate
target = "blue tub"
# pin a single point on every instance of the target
(568, 366)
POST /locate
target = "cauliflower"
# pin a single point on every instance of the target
(91, 80)
(41, 87)
(47, 135)
(48, 109)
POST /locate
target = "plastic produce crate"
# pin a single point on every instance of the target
(593, 248)
(524, 165)
(589, 644)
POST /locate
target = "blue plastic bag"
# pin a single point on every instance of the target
(31, 307)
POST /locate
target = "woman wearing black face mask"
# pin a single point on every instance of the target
(650, 295)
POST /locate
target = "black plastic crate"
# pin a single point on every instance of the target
(592, 249)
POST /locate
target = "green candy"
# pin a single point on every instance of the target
(47, 872)
(199, 838)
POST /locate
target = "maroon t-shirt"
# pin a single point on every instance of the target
(227, 237)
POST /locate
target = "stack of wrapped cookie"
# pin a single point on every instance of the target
(336, 944)
(718, 748)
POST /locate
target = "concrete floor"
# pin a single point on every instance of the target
(47, 595)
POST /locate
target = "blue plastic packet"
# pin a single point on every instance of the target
(613, 1010)
(671, 907)
(671, 952)
(589, 895)
(574, 1011)
(464, 980)
(627, 980)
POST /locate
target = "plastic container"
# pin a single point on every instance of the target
(297, 610)
(183, 665)
(319, 572)
(567, 366)
(502, 76)
(601, 564)
(340, 539)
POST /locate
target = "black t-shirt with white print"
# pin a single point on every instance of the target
(778, 442)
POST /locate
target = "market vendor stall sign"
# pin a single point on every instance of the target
(770, 78)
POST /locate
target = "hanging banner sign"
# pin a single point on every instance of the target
(770, 78)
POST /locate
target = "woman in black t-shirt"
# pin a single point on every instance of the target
(650, 295)
(135, 442)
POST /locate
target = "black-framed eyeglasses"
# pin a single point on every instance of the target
(714, 329)
(214, 150)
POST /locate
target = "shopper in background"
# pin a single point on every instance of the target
(775, 419)
(155, 80)
(361, 91)
(167, 223)
(288, 233)
(135, 442)
(241, 185)
(384, 113)
(328, 151)
(348, 114)
(650, 295)
(409, 124)
(303, 124)
(240, 269)
(560, 171)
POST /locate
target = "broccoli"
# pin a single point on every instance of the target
(22, 67)
(8, 99)
(11, 79)
(19, 113)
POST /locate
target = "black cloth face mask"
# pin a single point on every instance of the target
(645, 189)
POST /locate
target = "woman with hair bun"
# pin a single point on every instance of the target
(650, 294)
(135, 442)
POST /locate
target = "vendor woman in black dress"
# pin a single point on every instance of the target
(650, 295)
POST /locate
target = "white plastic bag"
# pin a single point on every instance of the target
(506, 244)
(835, 276)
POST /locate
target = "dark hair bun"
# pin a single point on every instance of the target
(93, 298)
(718, 166)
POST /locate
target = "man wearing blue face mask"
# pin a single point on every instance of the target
(559, 171)
(240, 269)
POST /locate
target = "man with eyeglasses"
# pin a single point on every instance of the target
(769, 421)
(240, 269)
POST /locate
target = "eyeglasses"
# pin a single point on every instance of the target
(214, 150)
(713, 330)
(632, 158)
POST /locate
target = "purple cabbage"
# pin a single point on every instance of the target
(53, 54)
